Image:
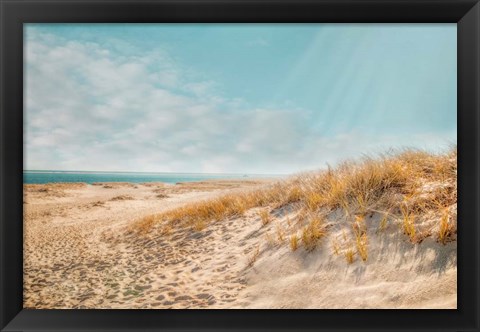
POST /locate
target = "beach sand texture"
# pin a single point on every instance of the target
(81, 250)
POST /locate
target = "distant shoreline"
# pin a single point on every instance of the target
(152, 183)
(153, 173)
(48, 177)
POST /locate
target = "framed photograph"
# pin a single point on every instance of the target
(291, 163)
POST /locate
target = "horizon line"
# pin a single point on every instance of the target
(206, 173)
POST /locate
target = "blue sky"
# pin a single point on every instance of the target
(252, 98)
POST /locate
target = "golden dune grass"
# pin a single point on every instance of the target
(294, 242)
(406, 186)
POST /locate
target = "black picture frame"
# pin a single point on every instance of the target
(14, 13)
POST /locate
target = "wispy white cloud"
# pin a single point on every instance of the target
(95, 107)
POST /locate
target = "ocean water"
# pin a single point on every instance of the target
(40, 177)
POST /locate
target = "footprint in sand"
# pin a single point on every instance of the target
(222, 269)
(142, 288)
(204, 296)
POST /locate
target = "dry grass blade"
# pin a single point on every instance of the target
(280, 234)
(336, 247)
(313, 232)
(264, 217)
(408, 225)
(294, 242)
(446, 229)
(349, 255)
(383, 222)
(361, 242)
(253, 256)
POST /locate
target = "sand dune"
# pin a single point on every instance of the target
(110, 245)
(397, 274)
(79, 254)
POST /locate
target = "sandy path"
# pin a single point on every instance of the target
(78, 252)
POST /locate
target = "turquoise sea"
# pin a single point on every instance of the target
(133, 177)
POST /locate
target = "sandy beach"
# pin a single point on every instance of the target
(79, 252)
(240, 166)
(82, 250)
